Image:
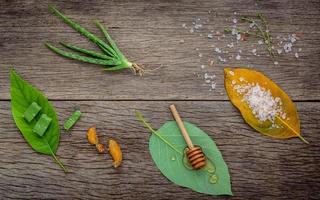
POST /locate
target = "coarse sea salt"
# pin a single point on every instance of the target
(263, 104)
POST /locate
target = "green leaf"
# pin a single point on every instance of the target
(22, 95)
(167, 146)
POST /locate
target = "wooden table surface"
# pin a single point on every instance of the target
(152, 33)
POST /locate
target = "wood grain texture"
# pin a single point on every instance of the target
(149, 32)
(260, 167)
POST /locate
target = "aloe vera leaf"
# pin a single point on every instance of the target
(115, 68)
(85, 51)
(83, 31)
(109, 39)
(83, 58)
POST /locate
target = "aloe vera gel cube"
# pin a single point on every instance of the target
(42, 125)
(31, 111)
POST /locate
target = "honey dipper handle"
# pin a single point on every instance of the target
(181, 126)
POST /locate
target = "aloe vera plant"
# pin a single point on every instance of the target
(111, 57)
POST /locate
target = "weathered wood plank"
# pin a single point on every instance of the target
(260, 167)
(150, 33)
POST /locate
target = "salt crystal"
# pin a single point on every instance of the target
(230, 45)
(222, 59)
(202, 66)
(292, 38)
(210, 35)
(296, 55)
(238, 57)
(287, 47)
(238, 36)
(200, 55)
(276, 62)
(231, 73)
(279, 51)
(261, 102)
(234, 31)
(254, 51)
(191, 30)
(234, 21)
(235, 13)
(299, 49)
(260, 42)
(251, 25)
(213, 85)
(217, 50)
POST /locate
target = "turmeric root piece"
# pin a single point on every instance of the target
(100, 148)
(115, 152)
(92, 136)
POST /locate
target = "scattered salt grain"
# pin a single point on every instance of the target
(217, 50)
(238, 57)
(234, 31)
(299, 49)
(234, 21)
(279, 51)
(202, 66)
(276, 62)
(254, 51)
(260, 42)
(296, 55)
(287, 47)
(231, 45)
(231, 73)
(222, 59)
(210, 35)
(238, 36)
(251, 25)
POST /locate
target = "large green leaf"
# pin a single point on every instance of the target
(22, 95)
(167, 149)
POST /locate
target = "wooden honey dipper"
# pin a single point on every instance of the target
(195, 155)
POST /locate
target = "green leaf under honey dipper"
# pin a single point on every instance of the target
(262, 103)
(167, 148)
(42, 136)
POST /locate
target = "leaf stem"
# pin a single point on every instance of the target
(143, 120)
(56, 159)
(288, 126)
(59, 162)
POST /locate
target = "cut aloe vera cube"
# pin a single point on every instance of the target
(42, 125)
(31, 111)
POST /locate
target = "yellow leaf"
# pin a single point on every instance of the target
(262, 103)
